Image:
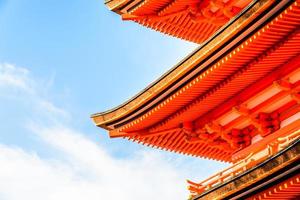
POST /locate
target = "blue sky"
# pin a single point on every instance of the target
(60, 62)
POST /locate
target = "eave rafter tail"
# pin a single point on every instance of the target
(114, 115)
(272, 78)
(254, 63)
(244, 61)
(260, 123)
(230, 139)
(197, 12)
(194, 21)
(141, 133)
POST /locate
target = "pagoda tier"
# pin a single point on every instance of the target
(286, 190)
(265, 175)
(238, 88)
(194, 20)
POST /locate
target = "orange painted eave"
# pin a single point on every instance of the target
(178, 71)
(114, 5)
(271, 42)
(194, 21)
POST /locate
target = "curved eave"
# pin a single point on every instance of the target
(115, 5)
(193, 21)
(206, 52)
(118, 6)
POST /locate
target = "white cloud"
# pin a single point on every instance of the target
(16, 82)
(14, 77)
(85, 171)
(81, 169)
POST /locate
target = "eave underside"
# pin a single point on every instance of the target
(204, 55)
(252, 66)
(192, 20)
(276, 178)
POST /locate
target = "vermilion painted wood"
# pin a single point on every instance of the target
(188, 121)
(270, 54)
(288, 189)
(244, 67)
(190, 20)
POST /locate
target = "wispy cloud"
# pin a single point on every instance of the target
(84, 170)
(15, 77)
(16, 82)
(80, 167)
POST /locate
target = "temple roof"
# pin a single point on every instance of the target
(192, 20)
(202, 106)
(203, 53)
(275, 177)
